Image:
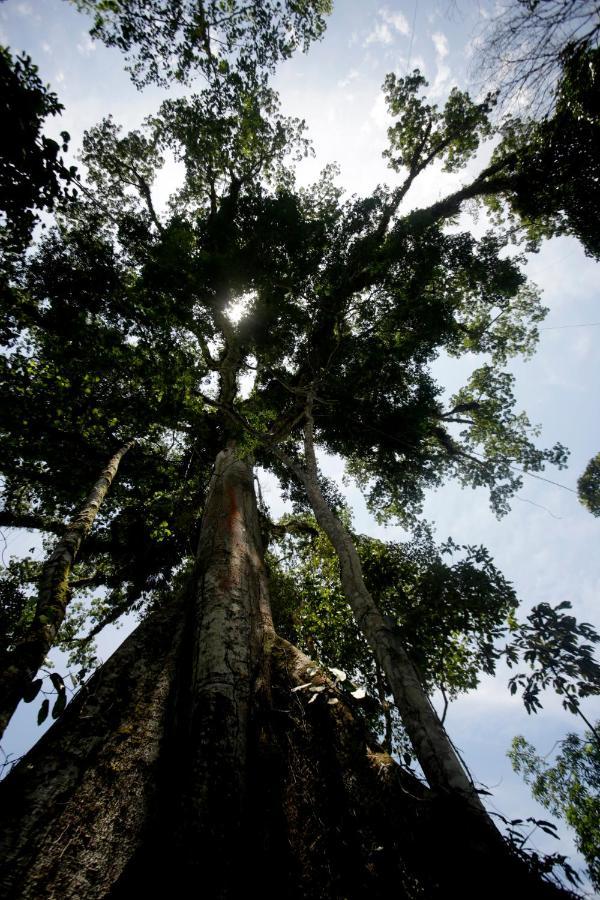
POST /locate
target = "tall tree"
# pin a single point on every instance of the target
(346, 305)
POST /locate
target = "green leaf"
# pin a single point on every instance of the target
(59, 705)
(43, 711)
(32, 690)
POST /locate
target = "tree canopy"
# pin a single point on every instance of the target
(254, 314)
(588, 486)
(32, 174)
(166, 42)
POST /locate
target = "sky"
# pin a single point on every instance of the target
(548, 544)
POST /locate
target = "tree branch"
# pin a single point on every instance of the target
(30, 521)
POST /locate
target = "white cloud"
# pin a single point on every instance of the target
(419, 63)
(381, 34)
(472, 46)
(87, 45)
(379, 112)
(59, 77)
(396, 20)
(443, 74)
(350, 77)
(441, 81)
(47, 48)
(26, 10)
(391, 22)
(441, 44)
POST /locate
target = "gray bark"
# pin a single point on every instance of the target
(20, 666)
(82, 806)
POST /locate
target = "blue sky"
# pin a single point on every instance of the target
(548, 545)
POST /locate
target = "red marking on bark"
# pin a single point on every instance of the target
(226, 582)
(233, 508)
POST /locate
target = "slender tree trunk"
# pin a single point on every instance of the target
(430, 741)
(20, 666)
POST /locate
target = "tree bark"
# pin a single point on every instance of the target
(228, 680)
(430, 741)
(20, 666)
(76, 809)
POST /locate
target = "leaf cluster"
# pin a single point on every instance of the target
(33, 176)
(171, 42)
(559, 652)
(569, 787)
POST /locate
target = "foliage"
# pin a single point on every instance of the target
(33, 176)
(560, 653)
(450, 604)
(16, 603)
(422, 132)
(118, 325)
(555, 162)
(166, 42)
(588, 486)
(137, 301)
(569, 787)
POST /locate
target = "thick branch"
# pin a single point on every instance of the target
(497, 178)
(30, 521)
(147, 195)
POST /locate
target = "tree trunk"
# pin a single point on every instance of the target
(429, 739)
(211, 758)
(20, 666)
(227, 680)
(196, 758)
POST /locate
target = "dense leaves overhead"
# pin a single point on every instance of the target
(422, 132)
(174, 41)
(449, 603)
(588, 486)
(555, 162)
